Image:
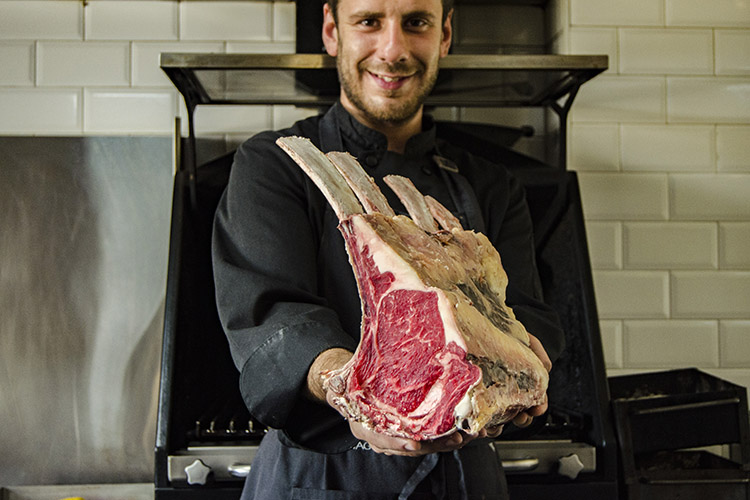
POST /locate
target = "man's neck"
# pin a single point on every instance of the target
(397, 134)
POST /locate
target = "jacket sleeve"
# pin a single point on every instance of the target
(264, 258)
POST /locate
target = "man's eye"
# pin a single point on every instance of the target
(369, 23)
(416, 23)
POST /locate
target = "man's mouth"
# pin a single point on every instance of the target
(390, 78)
(390, 82)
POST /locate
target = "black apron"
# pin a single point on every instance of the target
(282, 470)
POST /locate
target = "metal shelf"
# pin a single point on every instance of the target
(310, 79)
(485, 80)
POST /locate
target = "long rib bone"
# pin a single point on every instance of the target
(318, 167)
(413, 201)
(363, 185)
(447, 220)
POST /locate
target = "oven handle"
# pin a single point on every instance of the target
(520, 464)
(509, 465)
(239, 470)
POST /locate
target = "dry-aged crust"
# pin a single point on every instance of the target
(439, 349)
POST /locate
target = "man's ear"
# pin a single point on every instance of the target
(330, 32)
(445, 42)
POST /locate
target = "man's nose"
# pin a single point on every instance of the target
(393, 43)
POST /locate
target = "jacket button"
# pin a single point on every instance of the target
(371, 161)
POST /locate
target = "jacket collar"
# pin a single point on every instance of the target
(359, 139)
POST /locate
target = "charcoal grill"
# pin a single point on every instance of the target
(206, 438)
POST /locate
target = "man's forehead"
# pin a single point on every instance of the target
(402, 7)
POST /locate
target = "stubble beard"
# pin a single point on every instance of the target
(399, 109)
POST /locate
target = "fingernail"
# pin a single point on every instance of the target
(411, 446)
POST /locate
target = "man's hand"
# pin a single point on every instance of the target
(334, 359)
(331, 359)
(390, 445)
(525, 418)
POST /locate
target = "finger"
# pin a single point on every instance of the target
(494, 431)
(538, 349)
(522, 420)
(537, 411)
(541, 409)
(451, 442)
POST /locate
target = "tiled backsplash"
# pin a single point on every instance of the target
(73, 68)
(661, 141)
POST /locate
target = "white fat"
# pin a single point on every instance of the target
(448, 313)
(464, 407)
(433, 396)
(386, 258)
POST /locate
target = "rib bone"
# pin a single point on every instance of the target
(320, 169)
(362, 184)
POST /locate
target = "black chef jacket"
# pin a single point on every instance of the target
(285, 289)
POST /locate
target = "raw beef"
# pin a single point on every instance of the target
(439, 349)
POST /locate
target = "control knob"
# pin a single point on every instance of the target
(197, 472)
(570, 466)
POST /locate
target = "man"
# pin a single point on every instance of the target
(286, 293)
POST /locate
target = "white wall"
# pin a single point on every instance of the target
(661, 142)
(91, 68)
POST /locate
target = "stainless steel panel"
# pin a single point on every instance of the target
(226, 462)
(544, 457)
(83, 249)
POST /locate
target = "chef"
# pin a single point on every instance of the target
(286, 293)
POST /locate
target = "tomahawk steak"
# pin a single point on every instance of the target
(439, 348)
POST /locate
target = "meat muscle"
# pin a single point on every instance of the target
(439, 348)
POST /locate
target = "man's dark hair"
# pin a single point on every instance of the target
(447, 6)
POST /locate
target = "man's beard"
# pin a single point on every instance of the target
(402, 108)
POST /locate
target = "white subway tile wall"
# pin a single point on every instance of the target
(605, 244)
(595, 147)
(662, 145)
(670, 245)
(133, 20)
(652, 344)
(668, 148)
(632, 294)
(17, 60)
(83, 64)
(733, 148)
(41, 20)
(732, 49)
(661, 141)
(78, 68)
(660, 51)
(611, 332)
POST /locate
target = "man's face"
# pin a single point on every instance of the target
(387, 55)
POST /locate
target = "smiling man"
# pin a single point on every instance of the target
(387, 56)
(286, 293)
